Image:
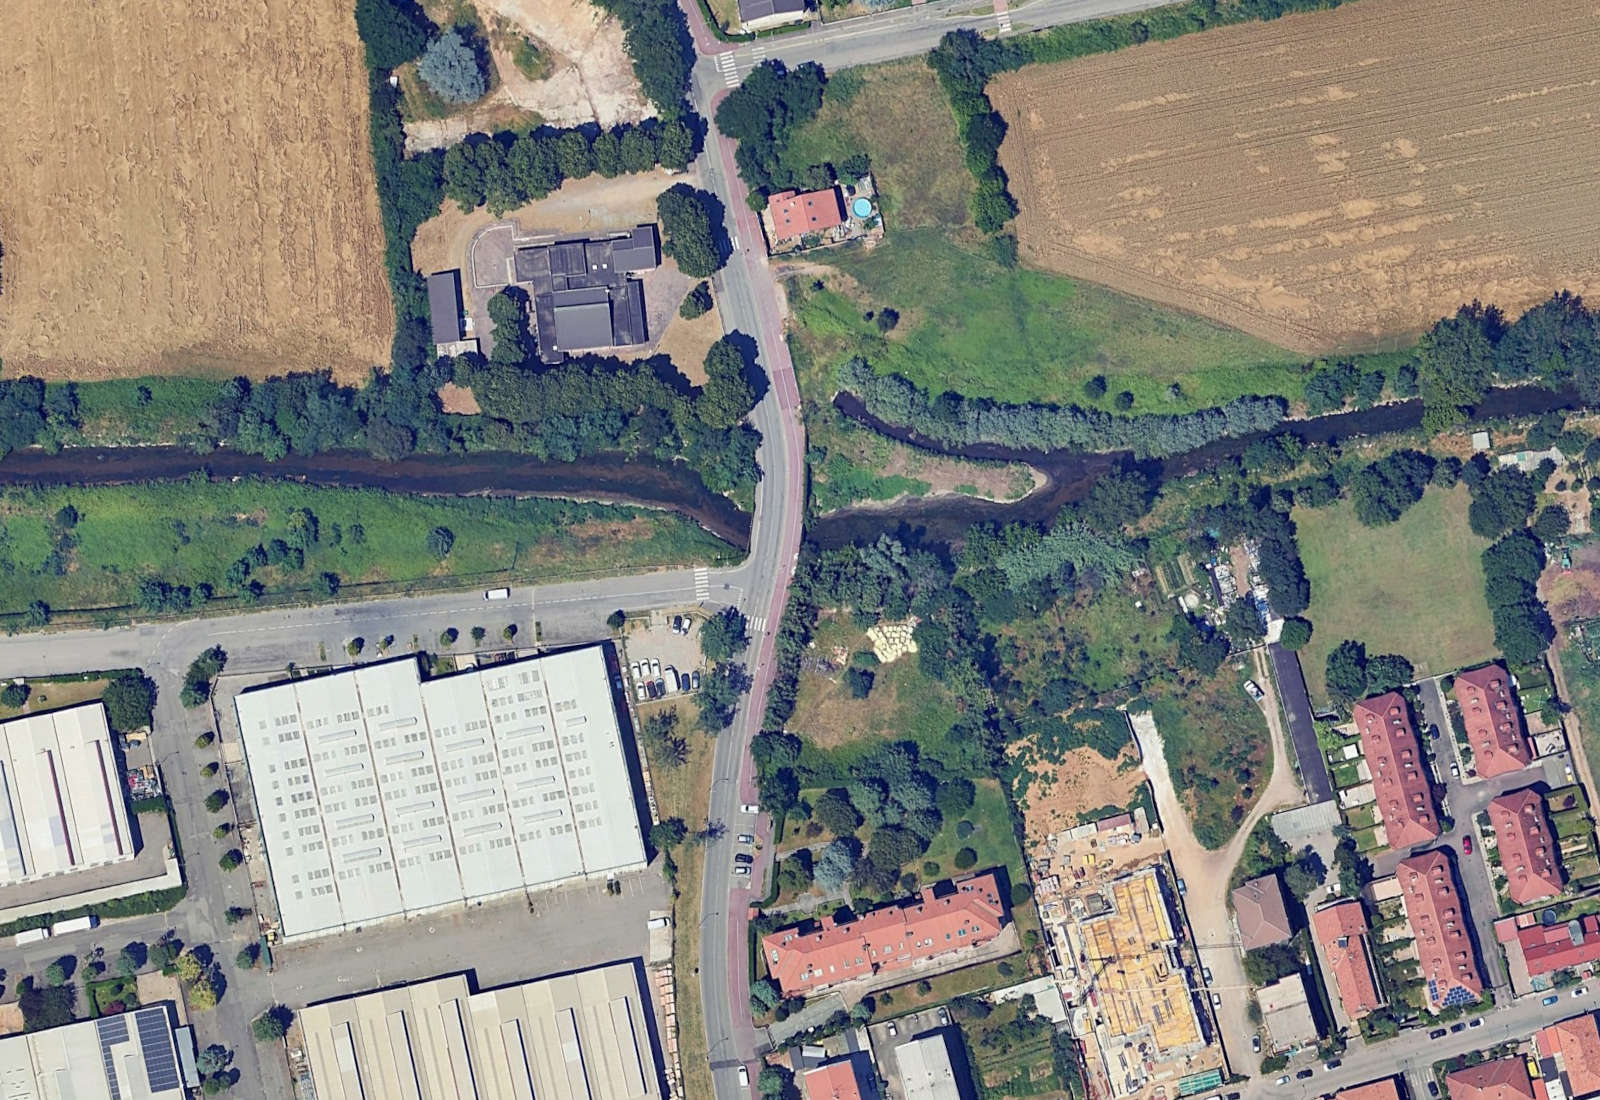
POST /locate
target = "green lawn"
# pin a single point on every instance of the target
(188, 533)
(1414, 587)
(1218, 750)
(104, 996)
(992, 838)
(141, 410)
(970, 325)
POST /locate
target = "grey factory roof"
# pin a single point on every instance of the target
(129, 1056)
(444, 306)
(752, 10)
(584, 1035)
(381, 795)
(61, 802)
(926, 1072)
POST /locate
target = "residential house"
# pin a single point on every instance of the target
(1441, 930)
(1569, 1053)
(796, 213)
(1493, 721)
(1260, 913)
(1341, 931)
(760, 15)
(1497, 1079)
(1404, 795)
(1529, 852)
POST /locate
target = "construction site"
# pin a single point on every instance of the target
(1124, 961)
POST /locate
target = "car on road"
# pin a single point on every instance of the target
(746, 838)
(1329, 1067)
(744, 1078)
(1433, 1087)
(1579, 991)
(749, 808)
(1466, 845)
(1255, 1044)
(1438, 1033)
(1305, 1074)
(1550, 1000)
(497, 593)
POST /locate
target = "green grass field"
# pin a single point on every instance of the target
(190, 532)
(1414, 587)
(1218, 750)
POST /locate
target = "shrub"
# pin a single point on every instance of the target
(697, 302)
(272, 1024)
(1296, 634)
(966, 859)
(231, 859)
(451, 69)
(440, 540)
(216, 800)
(14, 695)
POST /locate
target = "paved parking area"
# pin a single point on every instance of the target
(657, 641)
(886, 1036)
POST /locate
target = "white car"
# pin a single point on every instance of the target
(1253, 689)
(749, 808)
(639, 694)
(744, 1078)
(655, 668)
(634, 668)
(746, 838)
(741, 870)
(671, 676)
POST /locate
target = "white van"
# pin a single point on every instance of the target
(497, 594)
(32, 935)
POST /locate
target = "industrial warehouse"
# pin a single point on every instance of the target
(382, 795)
(585, 1035)
(129, 1055)
(61, 804)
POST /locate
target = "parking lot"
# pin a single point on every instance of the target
(916, 1025)
(660, 653)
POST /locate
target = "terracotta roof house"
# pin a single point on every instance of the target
(796, 213)
(1528, 847)
(1259, 911)
(1341, 930)
(834, 1081)
(1547, 948)
(1573, 1046)
(1399, 776)
(1439, 924)
(1385, 1089)
(807, 957)
(1494, 724)
(1500, 1079)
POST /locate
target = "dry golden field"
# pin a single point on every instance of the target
(187, 186)
(1327, 180)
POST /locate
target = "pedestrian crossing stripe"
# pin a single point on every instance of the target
(702, 583)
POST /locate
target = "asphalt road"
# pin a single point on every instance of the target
(1302, 729)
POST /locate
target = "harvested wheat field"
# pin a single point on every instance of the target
(187, 188)
(1327, 180)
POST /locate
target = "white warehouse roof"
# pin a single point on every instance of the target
(129, 1056)
(925, 1069)
(582, 1036)
(61, 795)
(381, 795)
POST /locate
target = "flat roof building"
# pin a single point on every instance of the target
(1404, 798)
(1260, 913)
(1494, 724)
(1286, 1011)
(584, 295)
(1341, 930)
(1529, 851)
(444, 306)
(926, 1071)
(382, 795)
(582, 1036)
(950, 917)
(128, 1056)
(1439, 923)
(61, 795)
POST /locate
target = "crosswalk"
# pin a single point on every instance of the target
(1002, 19)
(758, 626)
(702, 583)
(729, 69)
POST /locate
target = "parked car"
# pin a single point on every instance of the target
(746, 838)
(944, 1016)
(670, 677)
(661, 688)
(694, 680)
(1466, 845)
(1216, 1000)
(650, 689)
(741, 869)
(1255, 1044)
(634, 668)
(744, 1078)
(1579, 991)
(1183, 887)
(743, 857)
(677, 624)
(1329, 1067)
(1205, 972)
(1438, 1033)
(1477, 1021)
(1455, 771)
(638, 693)
(749, 808)
(1253, 689)
(893, 1031)
(1433, 1087)
(655, 667)
(1305, 1074)
(1457, 1029)
(1284, 1080)
(1550, 1000)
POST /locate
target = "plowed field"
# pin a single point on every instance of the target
(187, 186)
(1328, 180)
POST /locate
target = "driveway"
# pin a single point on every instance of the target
(1205, 872)
(1297, 705)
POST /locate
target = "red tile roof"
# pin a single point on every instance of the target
(1548, 948)
(1575, 1043)
(1528, 847)
(1500, 1079)
(805, 958)
(1494, 724)
(1341, 929)
(1399, 775)
(795, 213)
(834, 1081)
(1439, 924)
(1372, 1090)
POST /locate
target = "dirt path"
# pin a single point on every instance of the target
(1206, 872)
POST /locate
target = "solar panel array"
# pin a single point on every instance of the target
(113, 1031)
(155, 1041)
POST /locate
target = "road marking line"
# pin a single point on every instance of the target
(702, 583)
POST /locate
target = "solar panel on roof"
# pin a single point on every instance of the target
(155, 1042)
(113, 1030)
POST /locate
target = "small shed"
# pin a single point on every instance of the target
(444, 306)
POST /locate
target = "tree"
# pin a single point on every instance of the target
(394, 31)
(687, 229)
(836, 864)
(1196, 649)
(1305, 875)
(235, 914)
(440, 541)
(835, 813)
(326, 585)
(697, 302)
(727, 397)
(272, 1024)
(859, 681)
(231, 859)
(1296, 634)
(1095, 388)
(55, 974)
(451, 69)
(213, 1059)
(1552, 524)
(202, 671)
(724, 636)
(718, 698)
(965, 859)
(1386, 672)
(955, 796)
(216, 800)
(1243, 624)
(1500, 502)
(617, 619)
(764, 996)
(38, 614)
(14, 695)
(508, 312)
(668, 833)
(131, 958)
(1346, 671)
(777, 1083)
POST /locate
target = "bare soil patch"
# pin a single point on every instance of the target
(187, 193)
(686, 342)
(1573, 594)
(1082, 780)
(458, 400)
(1326, 180)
